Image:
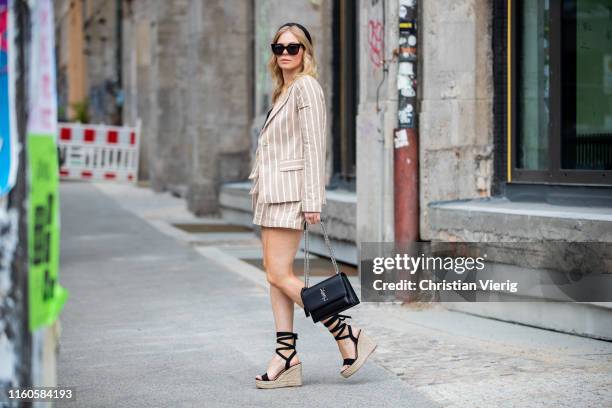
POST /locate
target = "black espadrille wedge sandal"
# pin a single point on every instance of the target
(291, 375)
(364, 345)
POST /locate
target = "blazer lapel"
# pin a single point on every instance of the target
(277, 107)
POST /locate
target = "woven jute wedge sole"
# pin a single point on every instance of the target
(365, 347)
(292, 377)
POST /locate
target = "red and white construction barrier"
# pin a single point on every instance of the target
(99, 152)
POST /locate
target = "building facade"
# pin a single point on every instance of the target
(477, 121)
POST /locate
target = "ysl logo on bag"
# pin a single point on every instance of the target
(323, 295)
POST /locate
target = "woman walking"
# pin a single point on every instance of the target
(289, 190)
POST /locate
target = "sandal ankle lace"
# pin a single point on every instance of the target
(339, 327)
(280, 339)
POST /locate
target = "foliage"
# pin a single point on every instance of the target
(81, 111)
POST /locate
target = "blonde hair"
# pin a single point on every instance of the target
(309, 63)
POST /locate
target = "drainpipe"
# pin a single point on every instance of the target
(406, 175)
(381, 128)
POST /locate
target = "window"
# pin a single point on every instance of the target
(345, 92)
(560, 116)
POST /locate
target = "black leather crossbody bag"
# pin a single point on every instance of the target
(330, 296)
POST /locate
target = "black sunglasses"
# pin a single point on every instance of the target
(292, 48)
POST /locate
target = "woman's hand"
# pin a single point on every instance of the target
(312, 217)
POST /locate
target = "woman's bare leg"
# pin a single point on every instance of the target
(279, 248)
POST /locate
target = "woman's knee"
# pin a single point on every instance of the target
(276, 260)
(276, 276)
(275, 280)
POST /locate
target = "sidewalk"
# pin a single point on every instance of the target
(152, 323)
(161, 317)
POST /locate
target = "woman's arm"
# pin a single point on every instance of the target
(312, 117)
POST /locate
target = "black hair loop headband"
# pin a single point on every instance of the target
(301, 27)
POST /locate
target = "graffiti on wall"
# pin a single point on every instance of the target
(375, 42)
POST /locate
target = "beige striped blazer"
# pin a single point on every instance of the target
(290, 157)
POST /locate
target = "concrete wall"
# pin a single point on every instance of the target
(376, 119)
(154, 68)
(187, 74)
(136, 59)
(170, 161)
(456, 118)
(219, 97)
(101, 44)
(129, 59)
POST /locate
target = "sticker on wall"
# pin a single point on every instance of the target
(407, 58)
(8, 131)
(46, 296)
(405, 7)
(406, 68)
(405, 81)
(401, 138)
(406, 116)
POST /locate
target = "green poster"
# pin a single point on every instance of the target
(46, 296)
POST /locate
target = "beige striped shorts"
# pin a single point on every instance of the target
(288, 214)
